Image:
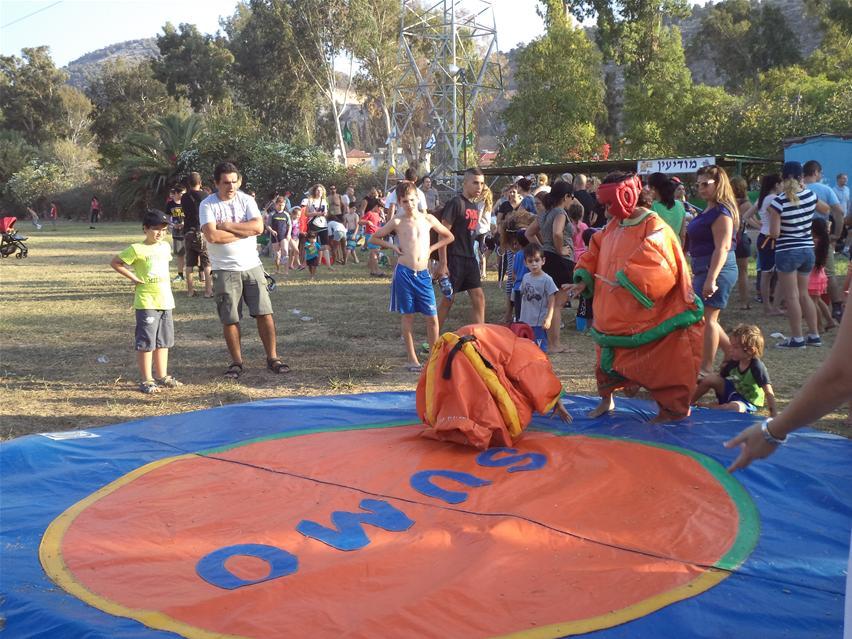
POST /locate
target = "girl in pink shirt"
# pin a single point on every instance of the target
(575, 213)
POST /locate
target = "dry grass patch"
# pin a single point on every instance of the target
(63, 309)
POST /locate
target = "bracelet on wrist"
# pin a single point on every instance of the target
(768, 436)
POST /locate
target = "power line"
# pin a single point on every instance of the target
(31, 14)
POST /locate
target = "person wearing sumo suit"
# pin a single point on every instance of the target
(648, 323)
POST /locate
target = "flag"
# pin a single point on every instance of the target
(347, 134)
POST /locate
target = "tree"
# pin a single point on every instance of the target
(550, 119)
(267, 74)
(789, 102)
(744, 38)
(323, 26)
(833, 58)
(37, 181)
(126, 98)
(628, 31)
(654, 96)
(193, 65)
(374, 40)
(15, 153)
(709, 121)
(30, 99)
(152, 160)
(77, 110)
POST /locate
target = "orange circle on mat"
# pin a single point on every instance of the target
(607, 531)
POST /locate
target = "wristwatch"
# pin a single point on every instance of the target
(767, 434)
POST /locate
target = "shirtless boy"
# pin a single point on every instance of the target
(411, 288)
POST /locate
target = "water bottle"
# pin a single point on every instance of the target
(446, 286)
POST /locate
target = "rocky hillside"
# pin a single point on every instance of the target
(84, 68)
(703, 70)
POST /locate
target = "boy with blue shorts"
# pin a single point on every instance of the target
(153, 301)
(411, 288)
(742, 384)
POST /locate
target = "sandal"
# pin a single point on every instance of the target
(149, 387)
(277, 366)
(414, 368)
(168, 382)
(234, 371)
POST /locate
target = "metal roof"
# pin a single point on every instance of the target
(608, 166)
(805, 138)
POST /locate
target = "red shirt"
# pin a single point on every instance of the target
(371, 222)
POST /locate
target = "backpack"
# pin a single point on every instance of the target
(481, 386)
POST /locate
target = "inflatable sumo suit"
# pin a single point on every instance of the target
(481, 386)
(648, 324)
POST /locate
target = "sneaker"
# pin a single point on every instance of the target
(178, 278)
(169, 382)
(149, 387)
(814, 341)
(792, 343)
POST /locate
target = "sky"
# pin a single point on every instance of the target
(72, 28)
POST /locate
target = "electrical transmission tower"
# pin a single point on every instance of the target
(445, 64)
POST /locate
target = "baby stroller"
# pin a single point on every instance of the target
(12, 240)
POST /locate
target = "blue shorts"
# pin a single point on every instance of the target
(540, 337)
(372, 247)
(724, 281)
(351, 240)
(765, 255)
(799, 259)
(730, 394)
(412, 292)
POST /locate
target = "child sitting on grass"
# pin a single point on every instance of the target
(743, 384)
(411, 287)
(153, 301)
(538, 292)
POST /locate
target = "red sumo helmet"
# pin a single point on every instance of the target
(620, 198)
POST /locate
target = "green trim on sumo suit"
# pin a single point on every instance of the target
(609, 343)
(625, 282)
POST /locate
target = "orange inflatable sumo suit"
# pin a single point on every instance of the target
(648, 323)
(482, 384)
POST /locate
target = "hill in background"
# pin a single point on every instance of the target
(83, 69)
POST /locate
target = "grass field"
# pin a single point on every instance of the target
(66, 332)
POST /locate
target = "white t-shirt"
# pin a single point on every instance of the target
(337, 230)
(763, 213)
(390, 198)
(234, 256)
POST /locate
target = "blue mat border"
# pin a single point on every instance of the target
(792, 584)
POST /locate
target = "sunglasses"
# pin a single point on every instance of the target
(705, 182)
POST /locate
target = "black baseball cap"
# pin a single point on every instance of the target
(154, 218)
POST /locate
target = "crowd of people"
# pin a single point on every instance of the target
(649, 271)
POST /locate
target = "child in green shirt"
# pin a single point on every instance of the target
(742, 384)
(153, 301)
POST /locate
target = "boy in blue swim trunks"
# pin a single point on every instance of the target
(742, 384)
(411, 287)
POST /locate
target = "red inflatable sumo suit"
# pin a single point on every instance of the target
(648, 324)
(482, 384)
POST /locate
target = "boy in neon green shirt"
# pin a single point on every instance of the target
(153, 301)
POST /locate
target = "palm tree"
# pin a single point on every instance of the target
(151, 163)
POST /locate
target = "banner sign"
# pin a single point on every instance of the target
(673, 165)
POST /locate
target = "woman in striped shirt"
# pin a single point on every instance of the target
(791, 216)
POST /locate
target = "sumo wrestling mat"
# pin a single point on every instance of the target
(333, 517)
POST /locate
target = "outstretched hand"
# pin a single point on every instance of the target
(574, 289)
(562, 412)
(753, 445)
